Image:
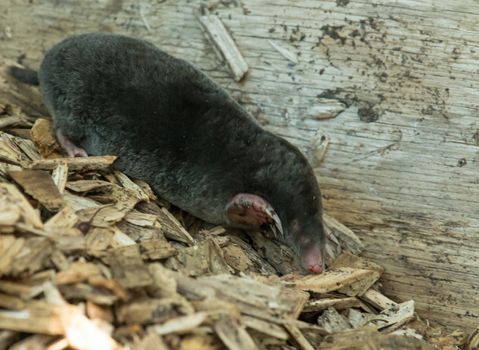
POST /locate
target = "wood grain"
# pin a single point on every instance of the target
(401, 168)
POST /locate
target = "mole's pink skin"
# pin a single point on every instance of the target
(69, 147)
(313, 259)
(249, 209)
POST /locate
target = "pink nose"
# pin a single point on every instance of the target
(315, 269)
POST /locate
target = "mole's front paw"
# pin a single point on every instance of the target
(69, 147)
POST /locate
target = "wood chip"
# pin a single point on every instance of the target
(44, 139)
(149, 310)
(140, 234)
(286, 53)
(364, 339)
(110, 284)
(347, 237)
(259, 264)
(473, 340)
(347, 259)
(78, 203)
(34, 342)
(15, 120)
(165, 284)
(9, 216)
(82, 333)
(10, 302)
(128, 267)
(360, 287)
(157, 250)
(319, 145)
(89, 293)
(377, 299)
(265, 327)
(81, 186)
(152, 341)
(24, 291)
(39, 317)
(255, 298)
(106, 215)
(201, 342)
(60, 176)
(27, 147)
(357, 319)
(12, 197)
(333, 322)
(300, 341)
(223, 42)
(394, 317)
(75, 164)
(278, 255)
(39, 184)
(337, 303)
(141, 219)
(172, 228)
(333, 280)
(203, 258)
(121, 239)
(10, 152)
(233, 334)
(127, 183)
(325, 109)
(19, 255)
(78, 271)
(146, 189)
(64, 220)
(181, 324)
(99, 239)
(237, 258)
(60, 260)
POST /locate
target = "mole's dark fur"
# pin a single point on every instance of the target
(172, 126)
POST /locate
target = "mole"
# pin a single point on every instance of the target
(172, 126)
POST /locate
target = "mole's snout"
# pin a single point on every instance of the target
(313, 260)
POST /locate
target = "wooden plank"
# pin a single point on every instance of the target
(404, 183)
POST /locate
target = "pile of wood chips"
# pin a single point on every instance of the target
(91, 259)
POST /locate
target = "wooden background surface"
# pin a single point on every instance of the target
(402, 165)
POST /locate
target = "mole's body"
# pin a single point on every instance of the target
(173, 127)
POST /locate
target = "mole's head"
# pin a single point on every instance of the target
(306, 237)
(297, 200)
(287, 198)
